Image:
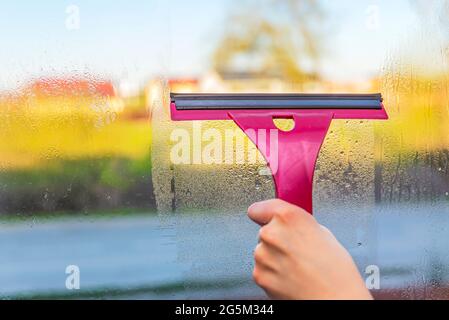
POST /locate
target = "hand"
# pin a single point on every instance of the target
(299, 259)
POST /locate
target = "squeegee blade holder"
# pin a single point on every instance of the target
(276, 101)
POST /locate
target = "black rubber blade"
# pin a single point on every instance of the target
(206, 101)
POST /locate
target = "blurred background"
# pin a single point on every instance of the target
(85, 172)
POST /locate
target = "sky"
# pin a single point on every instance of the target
(136, 40)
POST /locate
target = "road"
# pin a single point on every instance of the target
(202, 256)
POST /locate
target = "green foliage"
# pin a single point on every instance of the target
(78, 186)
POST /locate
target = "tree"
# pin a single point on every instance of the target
(273, 38)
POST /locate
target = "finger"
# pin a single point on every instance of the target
(267, 280)
(259, 212)
(263, 212)
(275, 235)
(264, 277)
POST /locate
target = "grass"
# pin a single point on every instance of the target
(43, 217)
(36, 131)
(124, 293)
(76, 186)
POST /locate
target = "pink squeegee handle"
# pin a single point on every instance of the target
(298, 149)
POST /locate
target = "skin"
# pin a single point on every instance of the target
(299, 259)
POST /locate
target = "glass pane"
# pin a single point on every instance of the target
(103, 196)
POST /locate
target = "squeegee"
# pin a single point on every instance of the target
(299, 148)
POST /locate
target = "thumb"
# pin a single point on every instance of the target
(263, 212)
(259, 212)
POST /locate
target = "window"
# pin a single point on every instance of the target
(100, 199)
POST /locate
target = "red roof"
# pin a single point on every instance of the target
(73, 87)
(182, 81)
